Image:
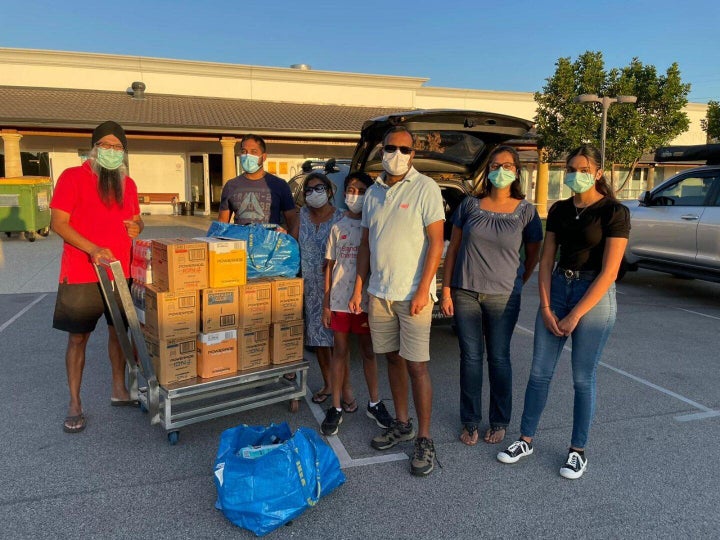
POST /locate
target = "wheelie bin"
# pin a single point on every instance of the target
(25, 205)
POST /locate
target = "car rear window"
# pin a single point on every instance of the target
(454, 146)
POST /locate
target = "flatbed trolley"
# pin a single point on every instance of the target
(180, 404)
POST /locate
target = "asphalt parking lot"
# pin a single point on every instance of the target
(654, 461)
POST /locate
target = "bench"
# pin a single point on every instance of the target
(158, 198)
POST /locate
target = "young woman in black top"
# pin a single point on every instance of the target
(577, 298)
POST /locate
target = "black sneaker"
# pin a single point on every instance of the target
(397, 432)
(422, 463)
(517, 450)
(380, 414)
(333, 419)
(574, 466)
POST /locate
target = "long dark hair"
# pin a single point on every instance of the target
(593, 155)
(485, 186)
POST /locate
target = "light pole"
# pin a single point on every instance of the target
(605, 101)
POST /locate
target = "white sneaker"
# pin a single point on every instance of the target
(513, 453)
(574, 466)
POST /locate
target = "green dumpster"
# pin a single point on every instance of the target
(25, 205)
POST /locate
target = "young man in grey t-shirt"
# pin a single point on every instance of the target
(257, 196)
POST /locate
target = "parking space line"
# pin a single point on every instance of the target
(705, 410)
(698, 313)
(346, 461)
(21, 312)
(697, 416)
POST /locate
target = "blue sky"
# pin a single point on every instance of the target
(509, 45)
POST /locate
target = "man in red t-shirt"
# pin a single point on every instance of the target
(95, 210)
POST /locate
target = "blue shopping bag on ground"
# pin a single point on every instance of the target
(264, 492)
(269, 252)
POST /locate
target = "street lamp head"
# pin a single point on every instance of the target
(626, 99)
(587, 98)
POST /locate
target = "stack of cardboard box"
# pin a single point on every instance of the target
(204, 319)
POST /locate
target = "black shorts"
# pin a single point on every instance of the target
(79, 306)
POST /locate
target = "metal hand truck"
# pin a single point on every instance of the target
(180, 404)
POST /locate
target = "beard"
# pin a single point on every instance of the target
(111, 183)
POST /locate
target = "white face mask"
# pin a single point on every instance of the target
(317, 200)
(354, 203)
(396, 163)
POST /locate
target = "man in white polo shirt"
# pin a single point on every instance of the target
(401, 246)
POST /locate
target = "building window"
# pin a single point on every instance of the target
(33, 164)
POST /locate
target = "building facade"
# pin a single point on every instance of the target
(185, 118)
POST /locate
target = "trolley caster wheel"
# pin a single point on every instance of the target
(44, 232)
(30, 236)
(294, 405)
(173, 437)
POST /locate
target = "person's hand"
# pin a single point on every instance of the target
(326, 317)
(447, 307)
(354, 304)
(551, 321)
(100, 255)
(419, 301)
(132, 227)
(568, 324)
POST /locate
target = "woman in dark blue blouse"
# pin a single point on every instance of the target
(482, 283)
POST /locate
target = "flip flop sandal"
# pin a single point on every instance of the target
(350, 406)
(320, 397)
(492, 431)
(116, 402)
(469, 435)
(74, 424)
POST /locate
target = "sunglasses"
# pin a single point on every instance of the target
(392, 148)
(320, 188)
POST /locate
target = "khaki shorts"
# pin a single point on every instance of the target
(393, 329)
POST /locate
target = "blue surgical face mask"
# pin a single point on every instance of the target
(110, 159)
(250, 163)
(579, 182)
(501, 178)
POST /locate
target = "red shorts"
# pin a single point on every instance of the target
(350, 323)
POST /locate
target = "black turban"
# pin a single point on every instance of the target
(109, 128)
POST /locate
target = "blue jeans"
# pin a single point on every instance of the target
(588, 341)
(485, 321)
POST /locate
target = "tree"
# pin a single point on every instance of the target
(632, 130)
(711, 123)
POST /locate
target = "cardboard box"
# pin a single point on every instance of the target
(253, 347)
(217, 354)
(174, 360)
(287, 299)
(171, 315)
(179, 265)
(227, 262)
(286, 342)
(219, 309)
(255, 303)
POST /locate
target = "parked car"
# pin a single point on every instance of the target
(335, 169)
(451, 146)
(676, 226)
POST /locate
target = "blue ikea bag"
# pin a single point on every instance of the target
(263, 493)
(269, 252)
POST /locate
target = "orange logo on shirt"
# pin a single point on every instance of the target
(404, 206)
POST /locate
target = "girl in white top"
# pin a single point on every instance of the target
(340, 270)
